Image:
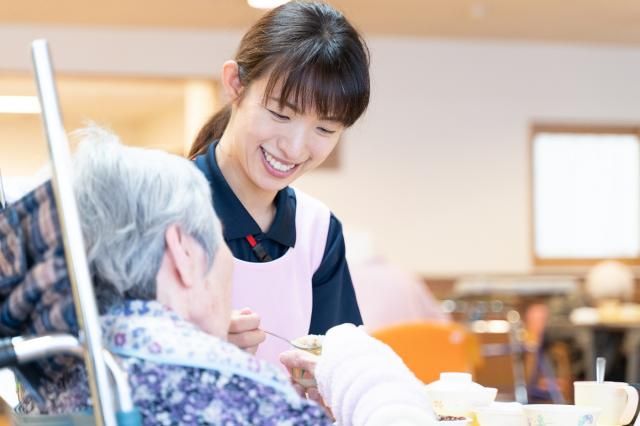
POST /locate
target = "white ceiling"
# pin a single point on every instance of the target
(597, 21)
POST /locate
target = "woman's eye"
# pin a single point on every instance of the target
(326, 131)
(279, 116)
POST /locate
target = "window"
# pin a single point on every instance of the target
(585, 195)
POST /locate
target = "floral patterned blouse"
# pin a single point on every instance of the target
(182, 375)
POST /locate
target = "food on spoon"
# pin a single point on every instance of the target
(311, 343)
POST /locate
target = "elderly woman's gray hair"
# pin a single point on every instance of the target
(127, 198)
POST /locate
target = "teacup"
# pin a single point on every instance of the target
(617, 400)
(561, 415)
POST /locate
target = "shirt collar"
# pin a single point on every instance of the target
(236, 220)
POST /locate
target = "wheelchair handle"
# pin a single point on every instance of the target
(35, 348)
(20, 350)
(8, 356)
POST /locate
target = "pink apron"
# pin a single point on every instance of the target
(280, 291)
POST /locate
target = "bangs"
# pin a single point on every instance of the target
(334, 90)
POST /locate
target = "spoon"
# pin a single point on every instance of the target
(601, 364)
(291, 342)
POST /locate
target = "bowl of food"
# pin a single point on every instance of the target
(456, 395)
(453, 421)
(311, 343)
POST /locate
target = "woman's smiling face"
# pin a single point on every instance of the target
(275, 146)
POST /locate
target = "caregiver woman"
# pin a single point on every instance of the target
(299, 79)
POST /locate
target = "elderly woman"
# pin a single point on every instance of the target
(162, 276)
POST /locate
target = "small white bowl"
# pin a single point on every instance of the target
(565, 415)
(466, 422)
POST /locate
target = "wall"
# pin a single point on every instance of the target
(437, 171)
(444, 145)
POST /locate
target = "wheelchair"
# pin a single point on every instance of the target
(108, 383)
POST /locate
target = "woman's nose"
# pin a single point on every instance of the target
(293, 145)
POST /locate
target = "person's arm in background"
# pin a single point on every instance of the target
(334, 299)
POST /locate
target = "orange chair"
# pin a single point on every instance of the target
(430, 348)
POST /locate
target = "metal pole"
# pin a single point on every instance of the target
(83, 295)
(3, 198)
(517, 343)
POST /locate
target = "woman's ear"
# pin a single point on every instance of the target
(231, 80)
(179, 253)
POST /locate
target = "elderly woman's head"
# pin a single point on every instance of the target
(150, 230)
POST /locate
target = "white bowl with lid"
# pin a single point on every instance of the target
(457, 395)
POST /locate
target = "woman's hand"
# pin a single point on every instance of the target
(302, 364)
(244, 331)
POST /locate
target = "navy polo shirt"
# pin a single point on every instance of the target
(334, 300)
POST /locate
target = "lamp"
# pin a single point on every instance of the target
(19, 105)
(266, 4)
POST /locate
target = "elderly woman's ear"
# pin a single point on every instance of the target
(184, 259)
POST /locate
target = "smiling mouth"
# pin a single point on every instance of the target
(276, 164)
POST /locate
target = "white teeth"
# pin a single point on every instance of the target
(276, 164)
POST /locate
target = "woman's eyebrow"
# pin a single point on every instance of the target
(285, 103)
(332, 119)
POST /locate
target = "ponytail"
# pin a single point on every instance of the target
(211, 131)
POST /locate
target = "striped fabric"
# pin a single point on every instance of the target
(35, 294)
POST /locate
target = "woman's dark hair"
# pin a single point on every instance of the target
(313, 52)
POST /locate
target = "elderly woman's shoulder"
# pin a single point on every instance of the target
(148, 330)
(177, 371)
